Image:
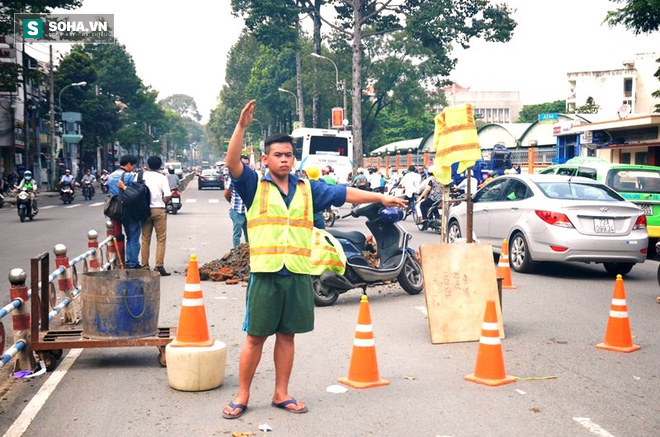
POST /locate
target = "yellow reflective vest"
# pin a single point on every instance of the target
(280, 236)
(327, 253)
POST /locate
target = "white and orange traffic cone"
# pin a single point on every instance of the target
(618, 336)
(195, 361)
(503, 267)
(489, 369)
(363, 370)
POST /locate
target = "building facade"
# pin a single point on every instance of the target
(489, 106)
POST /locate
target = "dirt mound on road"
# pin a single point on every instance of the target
(234, 267)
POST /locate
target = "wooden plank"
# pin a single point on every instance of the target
(458, 280)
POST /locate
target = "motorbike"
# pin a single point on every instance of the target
(87, 190)
(66, 193)
(396, 260)
(330, 215)
(104, 186)
(26, 204)
(433, 220)
(174, 204)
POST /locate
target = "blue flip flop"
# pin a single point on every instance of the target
(282, 405)
(234, 406)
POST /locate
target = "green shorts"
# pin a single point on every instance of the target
(277, 303)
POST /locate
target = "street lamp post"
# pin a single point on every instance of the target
(295, 99)
(339, 85)
(59, 104)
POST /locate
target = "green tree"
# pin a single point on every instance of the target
(589, 107)
(640, 16)
(11, 7)
(530, 113)
(183, 105)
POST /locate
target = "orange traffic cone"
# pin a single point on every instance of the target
(363, 371)
(503, 268)
(617, 336)
(490, 361)
(193, 329)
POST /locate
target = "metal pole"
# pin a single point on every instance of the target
(51, 160)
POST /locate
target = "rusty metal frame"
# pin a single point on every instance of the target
(44, 339)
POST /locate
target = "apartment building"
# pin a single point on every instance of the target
(489, 106)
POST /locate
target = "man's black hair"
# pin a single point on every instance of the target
(154, 162)
(127, 159)
(277, 138)
(245, 157)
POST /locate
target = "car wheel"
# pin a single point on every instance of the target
(323, 297)
(519, 257)
(199, 187)
(619, 268)
(410, 278)
(454, 231)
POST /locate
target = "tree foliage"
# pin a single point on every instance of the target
(183, 105)
(590, 107)
(640, 16)
(530, 113)
(11, 7)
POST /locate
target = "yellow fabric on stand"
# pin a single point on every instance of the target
(455, 140)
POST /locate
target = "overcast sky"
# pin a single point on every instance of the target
(181, 47)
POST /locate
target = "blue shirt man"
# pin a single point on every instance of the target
(236, 209)
(132, 228)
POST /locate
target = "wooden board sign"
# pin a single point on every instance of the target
(459, 278)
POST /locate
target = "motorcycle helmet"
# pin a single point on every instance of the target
(67, 171)
(391, 214)
(312, 172)
(27, 175)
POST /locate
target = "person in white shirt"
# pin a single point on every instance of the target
(159, 188)
(374, 180)
(410, 182)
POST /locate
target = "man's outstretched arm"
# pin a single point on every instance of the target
(233, 158)
(355, 195)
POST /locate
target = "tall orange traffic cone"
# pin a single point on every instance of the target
(363, 370)
(193, 328)
(618, 337)
(503, 268)
(489, 369)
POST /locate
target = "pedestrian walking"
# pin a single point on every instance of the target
(159, 188)
(237, 209)
(280, 300)
(132, 228)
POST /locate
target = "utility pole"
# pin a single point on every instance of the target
(51, 175)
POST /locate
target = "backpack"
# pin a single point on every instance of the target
(361, 181)
(132, 203)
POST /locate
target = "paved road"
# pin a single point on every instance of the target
(552, 322)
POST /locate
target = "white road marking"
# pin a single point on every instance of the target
(423, 310)
(26, 417)
(47, 207)
(73, 206)
(214, 200)
(191, 200)
(521, 392)
(96, 204)
(592, 427)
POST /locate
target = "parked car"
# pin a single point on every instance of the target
(640, 184)
(210, 178)
(555, 218)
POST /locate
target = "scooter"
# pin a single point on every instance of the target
(26, 204)
(174, 204)
(104, 185)
(66, 193)
(396, 261)
(87, 190)
(330, 215)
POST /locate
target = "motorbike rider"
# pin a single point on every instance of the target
(30, 186)
(172, 179)
(89, 178)
(431, 194)
(103, 179)
(67, 180)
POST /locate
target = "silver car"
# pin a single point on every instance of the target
(555, 218)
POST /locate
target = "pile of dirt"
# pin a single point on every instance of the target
(234, 266)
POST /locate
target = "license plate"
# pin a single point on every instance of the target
(176, 200)
(604, 226)
(647, 209)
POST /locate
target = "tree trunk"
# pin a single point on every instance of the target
(357, 85)
(316, 105)
(299, 86)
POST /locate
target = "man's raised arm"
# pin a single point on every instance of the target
(233, 158)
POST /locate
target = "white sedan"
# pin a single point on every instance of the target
(555, 218)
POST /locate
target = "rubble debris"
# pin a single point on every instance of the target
(234, 266)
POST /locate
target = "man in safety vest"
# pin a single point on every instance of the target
(280, 301)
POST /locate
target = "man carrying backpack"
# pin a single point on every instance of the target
(132, 227)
